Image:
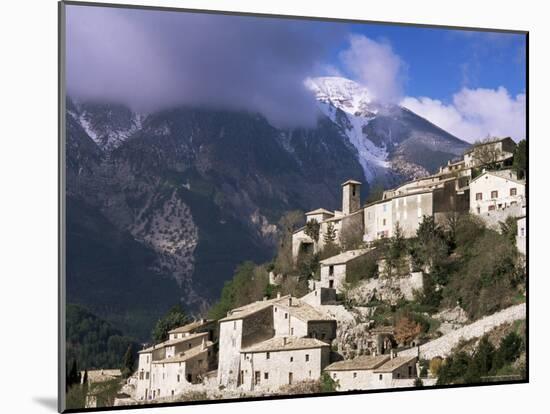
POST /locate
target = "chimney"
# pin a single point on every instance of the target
(278, 295)
(392, 354)
(203, 345)
(203, 320)
(284, 340)
(265, 298)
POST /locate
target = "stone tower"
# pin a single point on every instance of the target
(351, 199)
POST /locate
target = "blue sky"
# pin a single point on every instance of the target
(470, 83)
(440, 62)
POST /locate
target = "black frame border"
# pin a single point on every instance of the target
(61, 199)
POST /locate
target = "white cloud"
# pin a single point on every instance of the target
(475, 113)
(375, 65)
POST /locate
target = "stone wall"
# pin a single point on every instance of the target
(443, 346)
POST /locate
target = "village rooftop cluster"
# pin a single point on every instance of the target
(269, 344)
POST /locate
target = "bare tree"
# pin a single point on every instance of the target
(486, 152)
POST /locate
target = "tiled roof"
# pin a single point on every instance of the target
(302, 310)
(171, 342)
(285, 344)
(351, 182)
(250, 309)
(505, 174)
(345, 257)
(186, 355)
(320, 211)
(395, 363)
(191, 326)
(360, 363)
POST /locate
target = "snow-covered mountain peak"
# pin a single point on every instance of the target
(342, 93)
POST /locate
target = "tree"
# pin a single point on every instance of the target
(128, 362)
(330, 235)
(406, 330)
(396, 251)
(520, 159)
(328, 384)
(486, 154)
(509, 228)
(418, 383)
(174, 317)
(508, 351)
(73, 376)
(312, 229)
(431, 248)
(435, 365)
(288, 223)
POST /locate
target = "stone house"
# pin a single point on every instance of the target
(333, 269)
(242, 328)
(202, 325)
(251, 325)
(283, 361)
(350, 218)
(407, 205)
(168, 368)
(501, 150)
(496, 191)
(370, 372)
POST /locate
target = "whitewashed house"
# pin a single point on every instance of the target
(333, 269)
(283, 361)
(248, 327)
(496, 191)
(168, 368)
(369, 372)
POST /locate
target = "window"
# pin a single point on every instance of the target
(233, 342)
(398, 375)
(307, 357)
(234, 325)
(291, 331)
(334, 375)
(491, 208)
(141, 375)
(522, 231)
(331, 270)
(380, 377)
(291, 359)
(256, 377)
(384, 222)
(275, 309)
(385, 208)
(478, 210)
(513, 191)
(267, 355)
(172, 392)
(353, 190)
(189, 345)
(494, 194)
(146, 375)
(178, 377)
(266, 375)
(286, 315)
(355, 375)
(479, 196)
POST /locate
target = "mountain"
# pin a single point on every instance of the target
(179, 203)
(163, 207)
(393, 143)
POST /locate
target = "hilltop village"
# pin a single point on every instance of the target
(333, 334)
